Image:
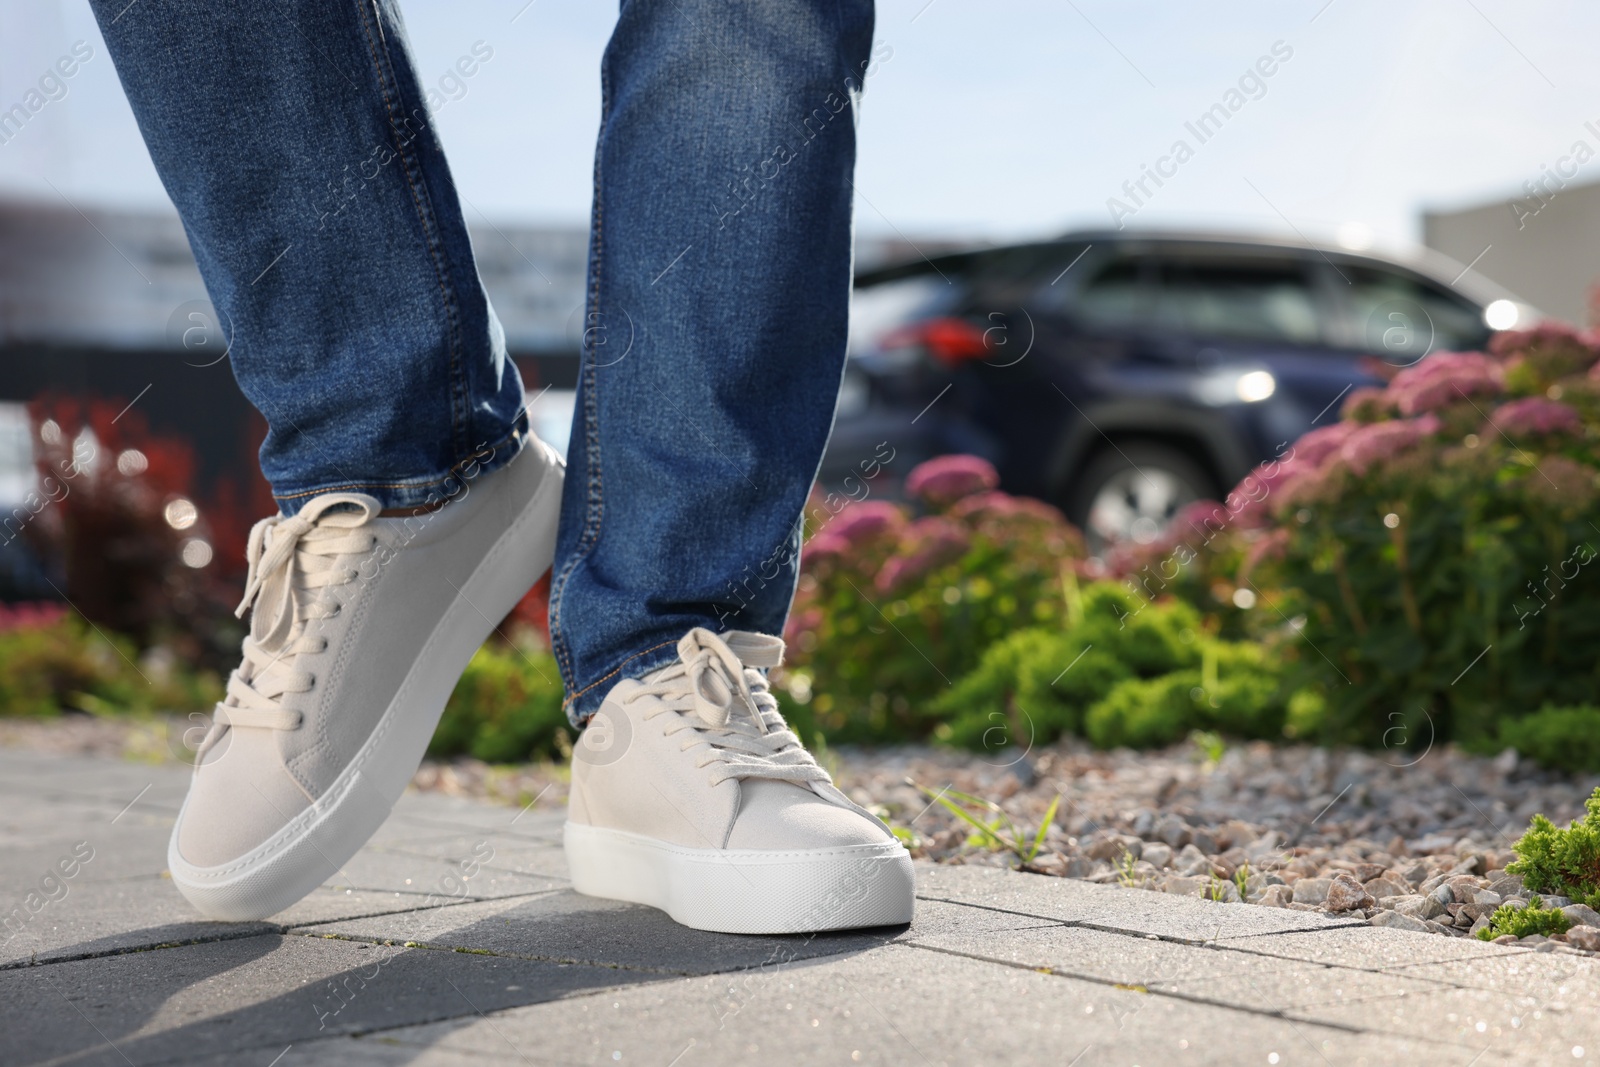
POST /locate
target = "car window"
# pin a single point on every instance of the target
(1258, 300)
(1116, 294)
(1402, 318)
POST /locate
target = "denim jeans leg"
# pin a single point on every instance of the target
(297, 145)
(719, 286)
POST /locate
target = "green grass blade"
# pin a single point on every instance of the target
(1044, 828)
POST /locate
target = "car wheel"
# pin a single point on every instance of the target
(1132, 491)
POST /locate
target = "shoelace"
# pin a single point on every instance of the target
(719, 696)
(293, 562)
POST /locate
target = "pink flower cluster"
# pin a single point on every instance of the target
(1444, 379)
(1368, 445)
(1546, 335)
(30, 616)
(941, 482)
(1534, 416)
(1367, 404)
(856, 525)
(929, 543)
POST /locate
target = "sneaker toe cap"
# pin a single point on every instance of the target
(782, 815)
(240, 797)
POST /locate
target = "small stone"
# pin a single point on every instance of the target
(1158, 853)
(1437, 928)
(1311, 890)
(1078, 867)
(1191, 861)
(1262, 879)
(1387, 887)
(1508, 886)
(1395, 921)
(1443, 894)
(1533, 939)
(1182, 886)
(1581, 915)
(1112, 848)
(1585, 937)
(1514, 903)
(1433, 843)
(1420, 907)
(1366, 872)
(1144, 822)
(1276, 896)
(1487, 896)
(1547, 946)
(1480, 924)
(1264, 846)
(1416, 874)
(1171, 830)
(1506, 939)
(1345, 894)
(1552, 901)
(1430, 884)
(1204, 842)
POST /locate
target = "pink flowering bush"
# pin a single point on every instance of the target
(898, 600)
(1428, 559)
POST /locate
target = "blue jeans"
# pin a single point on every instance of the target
(294, 138)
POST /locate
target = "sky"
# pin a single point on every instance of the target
(989, 121)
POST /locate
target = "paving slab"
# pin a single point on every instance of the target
(1112, 907)
(93, 780)
(508, 965)
(543, 819)
(261, 992)
(900, 1005)
(1203, 973)
(447, 879)
(1555, 976)
(98, 918)
(1370, 947)
(567, 926)
(513, 853)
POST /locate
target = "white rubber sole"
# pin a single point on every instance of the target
(740, 891)
(312, 847)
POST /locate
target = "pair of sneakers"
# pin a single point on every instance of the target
(689, 793)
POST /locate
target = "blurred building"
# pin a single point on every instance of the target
(1542, 244)
(109, 305)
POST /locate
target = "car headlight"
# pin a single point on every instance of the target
(1222, 387)
(1255, 385)
(1501, 315)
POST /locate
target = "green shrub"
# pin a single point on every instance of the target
(65, 663)
(1565, 738)
(1524, 922)
(1037, 683)
(893, 609)
(1235, 692)
(1144, 712)
(505, 709)
(1435, 549)
(1563, 862)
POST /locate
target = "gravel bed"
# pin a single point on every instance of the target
(1416, 843)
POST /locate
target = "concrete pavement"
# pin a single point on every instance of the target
(454, 938)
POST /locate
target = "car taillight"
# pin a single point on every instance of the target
(948, 340)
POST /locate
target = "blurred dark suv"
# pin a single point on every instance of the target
(1121, 376)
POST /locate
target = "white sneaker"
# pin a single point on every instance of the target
(361, 627)
(690, 794)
